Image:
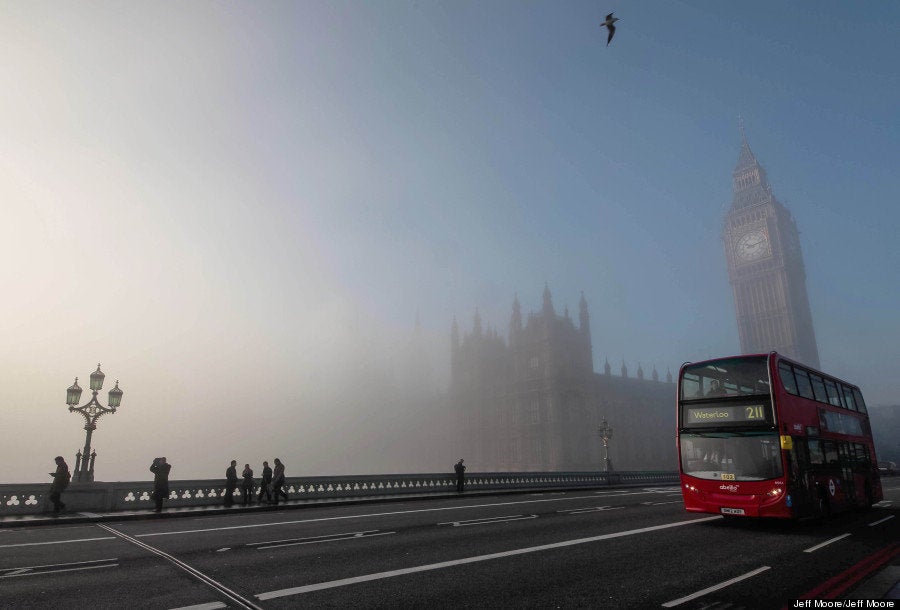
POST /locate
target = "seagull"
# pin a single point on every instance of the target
(610, 20)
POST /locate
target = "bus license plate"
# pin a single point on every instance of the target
(732, 511)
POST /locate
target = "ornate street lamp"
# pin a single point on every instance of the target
(92, 411)
(606, 432)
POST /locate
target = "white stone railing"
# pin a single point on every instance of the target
(32, 498)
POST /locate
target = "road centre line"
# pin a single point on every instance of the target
(235, 597)
(826, 543)
(457, 562)
(721, 585)
(6, 546)
(384, 514)
(888, 518)
(354, 537)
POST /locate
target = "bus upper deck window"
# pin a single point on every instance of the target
(787, 377)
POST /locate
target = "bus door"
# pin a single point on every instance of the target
(801, 484)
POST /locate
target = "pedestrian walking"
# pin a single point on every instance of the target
(264, 485)
(231, 480)
(61, 479)
(460, 470)
(278, 481)
(247, 485)
(160, 469)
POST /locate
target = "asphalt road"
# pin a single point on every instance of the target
(630, 548)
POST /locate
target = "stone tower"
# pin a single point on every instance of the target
(765, 267)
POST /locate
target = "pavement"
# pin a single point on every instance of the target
(884, 583)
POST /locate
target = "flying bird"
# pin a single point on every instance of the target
(610, 20)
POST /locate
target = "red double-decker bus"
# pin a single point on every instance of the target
(764, 436)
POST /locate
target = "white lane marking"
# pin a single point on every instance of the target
(488, 520)
(29, 573)
(222, 550)
(593, 509)
(6, 546)
(456, 562)
(235, 597)
(826, 543)
(721, 585)
(207, 606)
(278, 546)
(385, 514)
(15, 572)
(660, 503)
(59, 565)
(344, 534)
(881, 520)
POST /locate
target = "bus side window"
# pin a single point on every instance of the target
(862, 456)
(787, 377)
(803, 383)
(858, 399)
(815, 453)
(818, 387)
(862, 453)
(848, 398)
(845, 453)
(829, 449)
(833, 396)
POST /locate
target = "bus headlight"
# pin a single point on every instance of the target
(774, 493)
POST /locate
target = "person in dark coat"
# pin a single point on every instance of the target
(231, 481)
(278, 481)
(247, 485)
(160, 469)
(265, 483)
(460, 475)
(61, 479)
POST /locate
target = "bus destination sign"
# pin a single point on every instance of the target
(724, 415)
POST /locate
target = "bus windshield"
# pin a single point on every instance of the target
(731, 456)
(745, 376)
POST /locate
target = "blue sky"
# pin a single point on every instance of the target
(215, 198)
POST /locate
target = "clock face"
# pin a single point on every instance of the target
(752, 245)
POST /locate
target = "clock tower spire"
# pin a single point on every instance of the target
(765, 267)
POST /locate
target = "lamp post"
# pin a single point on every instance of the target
(92, 411)
(606, 433)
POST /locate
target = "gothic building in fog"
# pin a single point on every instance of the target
(765, 266)
(532, 401)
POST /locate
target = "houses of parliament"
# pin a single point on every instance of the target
(532, 401)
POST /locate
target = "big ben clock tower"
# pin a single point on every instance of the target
(765, 266)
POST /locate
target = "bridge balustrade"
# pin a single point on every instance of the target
(32, 498)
